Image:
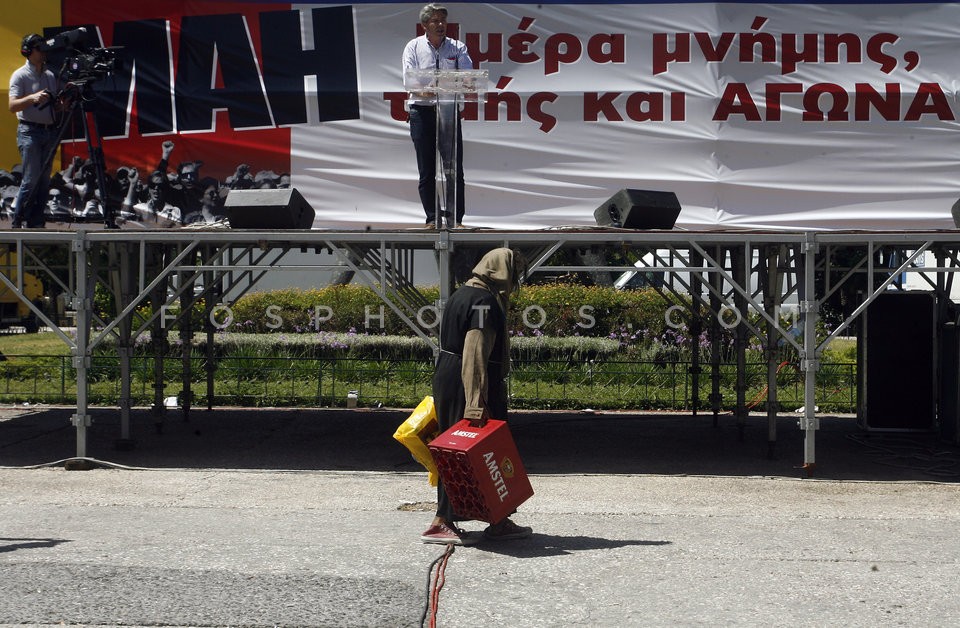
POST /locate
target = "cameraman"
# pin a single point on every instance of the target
(32, 89)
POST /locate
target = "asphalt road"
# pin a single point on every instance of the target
(312, 518)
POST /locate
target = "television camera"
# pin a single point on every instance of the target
(83, 65)
(82, 62)
(91, 65)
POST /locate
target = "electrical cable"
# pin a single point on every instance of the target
(435, 583)
(763, 394)
(92, 461)
(439, 581)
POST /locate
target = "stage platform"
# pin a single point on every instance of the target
(754, 273)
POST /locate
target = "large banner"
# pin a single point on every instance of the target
(774, 116)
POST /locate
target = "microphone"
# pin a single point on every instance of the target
(66, 39)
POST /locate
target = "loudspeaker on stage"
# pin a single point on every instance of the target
(639, 209)
(283, 208)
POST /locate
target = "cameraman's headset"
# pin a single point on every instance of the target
(30, 42)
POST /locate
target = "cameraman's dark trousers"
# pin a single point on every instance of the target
(36, 143)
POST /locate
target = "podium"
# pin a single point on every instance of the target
(448, 88)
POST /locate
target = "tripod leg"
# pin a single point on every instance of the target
(95, 148)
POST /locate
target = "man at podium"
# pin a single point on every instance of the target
(434, 50)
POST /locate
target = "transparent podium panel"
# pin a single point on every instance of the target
(447, 89)
(442, 82)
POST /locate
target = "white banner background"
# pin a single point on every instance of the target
(774, 174)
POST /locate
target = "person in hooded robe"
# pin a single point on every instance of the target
(469, 378)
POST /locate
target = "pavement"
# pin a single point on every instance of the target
(244, 517)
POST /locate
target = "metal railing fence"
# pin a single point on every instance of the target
(258, 381)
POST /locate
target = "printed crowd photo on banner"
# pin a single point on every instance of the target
(755, 115)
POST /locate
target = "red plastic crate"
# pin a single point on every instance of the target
(481, 470)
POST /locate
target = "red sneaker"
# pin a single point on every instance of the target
(507, 530)
(447, 534)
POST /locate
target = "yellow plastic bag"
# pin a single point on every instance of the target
(417, 431)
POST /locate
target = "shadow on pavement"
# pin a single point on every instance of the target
(12, 545)
(550, 443)
(540, 545)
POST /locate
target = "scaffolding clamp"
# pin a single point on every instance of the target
(812, 423)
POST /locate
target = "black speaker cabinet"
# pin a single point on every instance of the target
(283, 208)
(950, 383)
(897, 363)
(639, 209)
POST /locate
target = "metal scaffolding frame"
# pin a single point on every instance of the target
(748, 275)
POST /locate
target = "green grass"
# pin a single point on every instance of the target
(44, 343)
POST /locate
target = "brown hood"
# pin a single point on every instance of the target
(500, 272)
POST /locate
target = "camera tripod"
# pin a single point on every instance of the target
(79, 93)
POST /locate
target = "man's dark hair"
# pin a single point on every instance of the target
(30, 42)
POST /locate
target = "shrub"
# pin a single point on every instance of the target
(342, 309)
(547, 309)
(322, 345)
(575, 309)
(540, 320)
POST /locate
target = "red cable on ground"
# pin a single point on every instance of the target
(438, 579)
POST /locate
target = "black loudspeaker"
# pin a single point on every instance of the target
(639, 209)
(897, 363)
(282, 208)
(950, 382)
